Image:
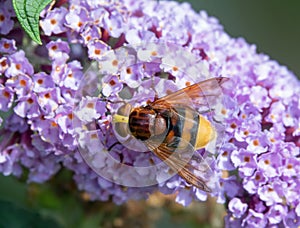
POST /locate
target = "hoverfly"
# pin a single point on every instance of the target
(173, 123)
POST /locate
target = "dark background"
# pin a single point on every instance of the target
(272, 25)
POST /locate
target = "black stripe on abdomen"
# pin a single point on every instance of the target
(186, 128)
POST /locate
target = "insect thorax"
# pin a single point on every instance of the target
(144, 123)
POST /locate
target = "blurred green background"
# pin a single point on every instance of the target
(271, 25)
(274, 26)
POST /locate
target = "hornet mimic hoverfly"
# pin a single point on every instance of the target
(172, 126)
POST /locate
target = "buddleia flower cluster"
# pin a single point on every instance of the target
(96, 52)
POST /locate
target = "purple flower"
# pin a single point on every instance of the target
(237, 208)
(42, 82)
(9, 160)
(91, 33)
(58, 50)
(49, 101)
(27, 107)
(245, 160)
(111, 85)
(257, 143)
(114, 23)
(54, 21)
(76, 18)
(7, 46)
(98, 49)
(255, 219)
(20, 84)
(3, 64)
(6, 23)
(224, 159)
(18, 65)
(277, 213)
(270, 164)
(6, 98)
(104, 53)
(292, 219)
(15, 123)
(90, 109)
(252, 183)
(271, 193)
(259, 97)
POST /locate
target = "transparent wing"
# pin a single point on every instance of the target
(189, 164)
(201, 96)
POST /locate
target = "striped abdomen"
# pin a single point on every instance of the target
(178, 127)
(184, 124)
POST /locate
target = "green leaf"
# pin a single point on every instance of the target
(13, 215)
(28, 12)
